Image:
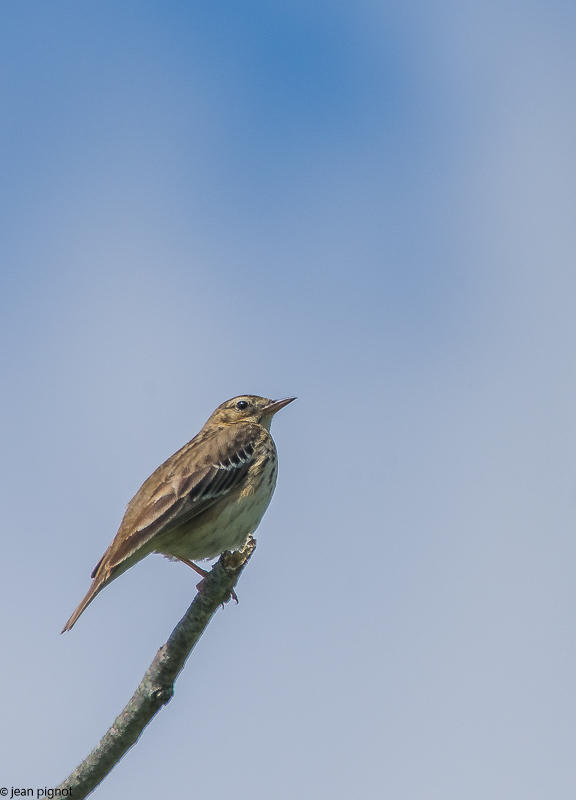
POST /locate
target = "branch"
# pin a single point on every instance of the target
(157, 686)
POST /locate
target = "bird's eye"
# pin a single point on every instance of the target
(241, 405)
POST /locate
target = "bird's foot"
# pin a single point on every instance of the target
(233, 595)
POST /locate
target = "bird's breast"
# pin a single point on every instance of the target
(226, 524)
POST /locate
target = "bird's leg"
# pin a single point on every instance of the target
(195, 567)
(203, 572)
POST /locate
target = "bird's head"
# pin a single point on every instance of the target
(248, 408)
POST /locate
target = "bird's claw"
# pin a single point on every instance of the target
(232, 595)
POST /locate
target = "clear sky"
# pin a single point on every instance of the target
(371, 206)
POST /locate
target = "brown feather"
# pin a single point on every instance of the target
(204, 499)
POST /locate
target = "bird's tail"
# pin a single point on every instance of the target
(97, 586)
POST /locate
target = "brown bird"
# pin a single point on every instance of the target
(207, 498)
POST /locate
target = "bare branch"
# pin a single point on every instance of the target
(157, 685)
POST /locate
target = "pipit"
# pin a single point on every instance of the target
(207, 498)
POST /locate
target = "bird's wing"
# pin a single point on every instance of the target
(193, 479)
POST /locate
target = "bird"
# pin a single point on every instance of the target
(205, 499)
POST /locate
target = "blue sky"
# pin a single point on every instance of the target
(370, 206)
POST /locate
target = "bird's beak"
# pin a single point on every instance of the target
(276, 405)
